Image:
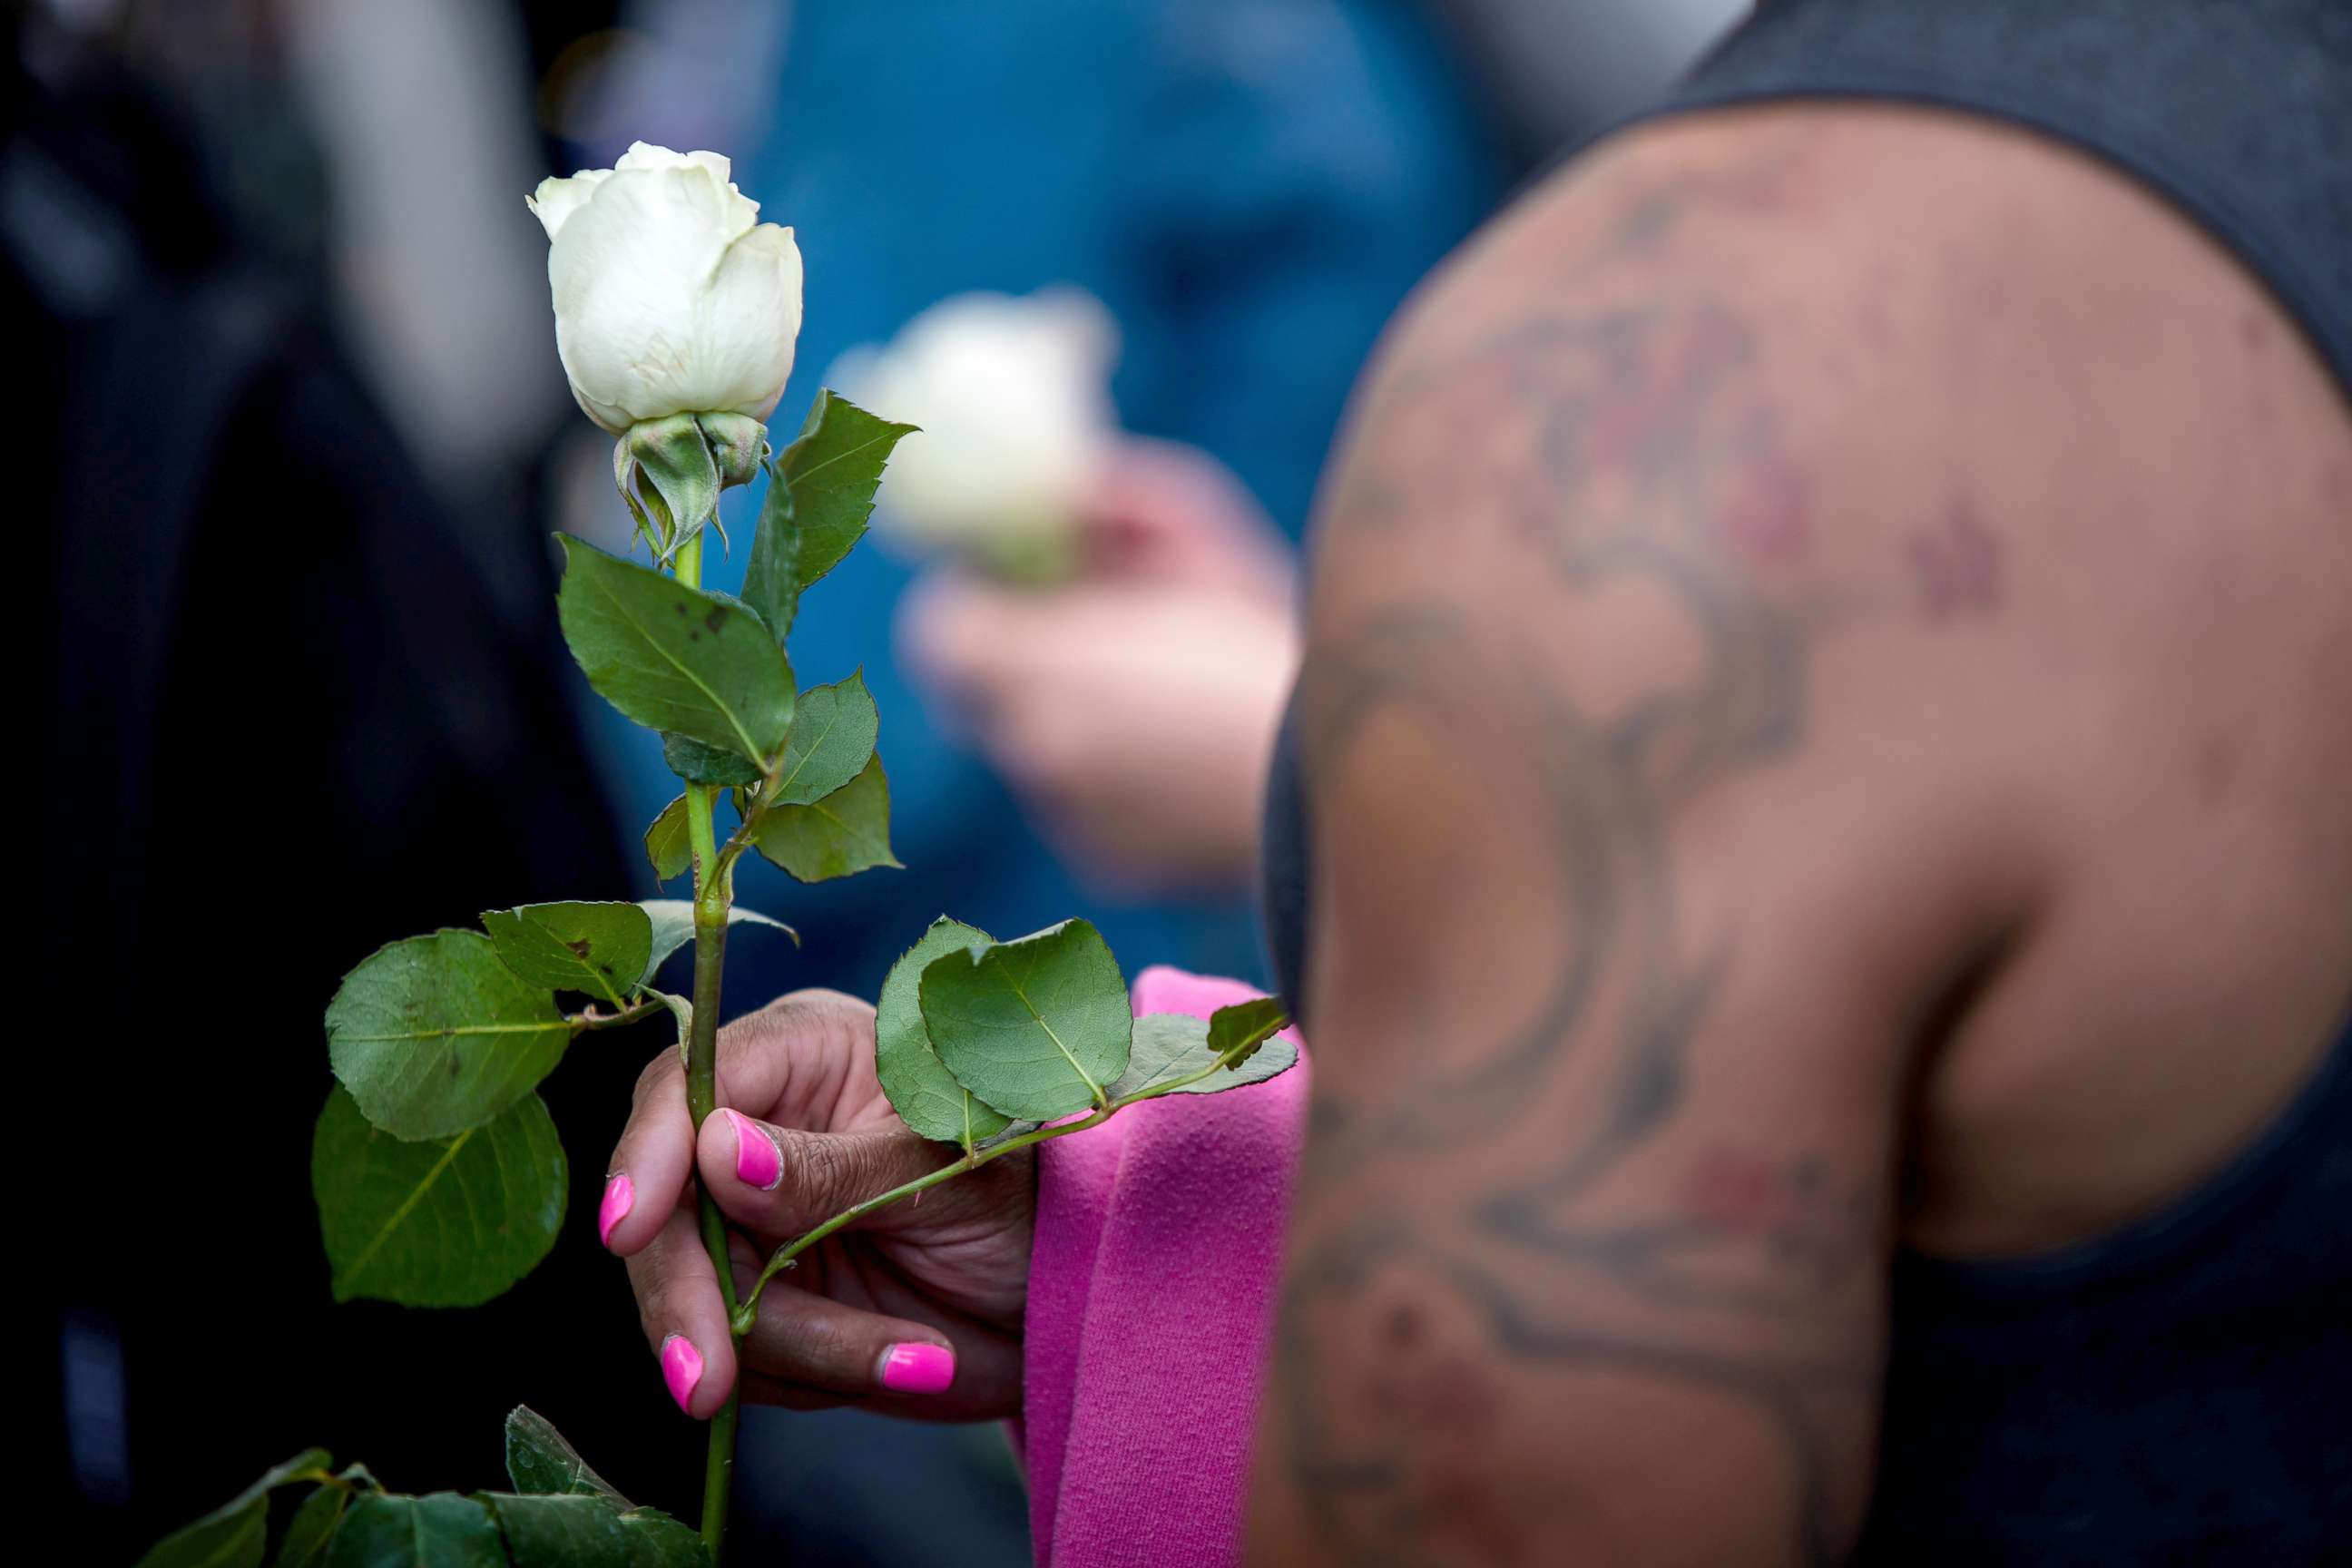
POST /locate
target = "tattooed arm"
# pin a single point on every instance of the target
(1650, 839)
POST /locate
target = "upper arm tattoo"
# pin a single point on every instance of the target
(1639, 447)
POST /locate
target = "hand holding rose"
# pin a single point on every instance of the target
(1134, 708)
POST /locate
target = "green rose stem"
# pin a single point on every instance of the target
(712, 888)
(973, 1159)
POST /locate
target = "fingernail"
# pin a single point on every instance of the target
(620, 1193)
(681, 1367)
(918, 1369)
(756, 1160)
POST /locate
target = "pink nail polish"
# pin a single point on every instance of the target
(756, 1160)
(918, 1369)
(681, 1367)
(620, 1195)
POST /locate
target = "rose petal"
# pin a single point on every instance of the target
(670, 295)
(557, 199)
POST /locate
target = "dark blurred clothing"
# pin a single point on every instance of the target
(281, 723)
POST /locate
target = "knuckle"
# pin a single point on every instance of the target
(652, 1307)
(660, 1274)
(806, 1348)
(825, 1348)
(822, 1168)
(793, 1022)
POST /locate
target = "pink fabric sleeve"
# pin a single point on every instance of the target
(1152, 1303)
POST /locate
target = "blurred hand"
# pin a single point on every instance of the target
(1134, 711)
(914, 1312)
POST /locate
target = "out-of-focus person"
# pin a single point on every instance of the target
(1106, 618)
(299, 685)
(1133, 707)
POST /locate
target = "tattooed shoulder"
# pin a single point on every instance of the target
(1568, 1166)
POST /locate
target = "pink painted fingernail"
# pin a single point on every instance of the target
(620, 1194)
(918, 1369)
(756, 1160)
(681, 1367)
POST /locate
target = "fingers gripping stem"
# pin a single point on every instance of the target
(745, 1316)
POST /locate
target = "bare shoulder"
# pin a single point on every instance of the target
(1814, 325)
(1809, 608)
(1994, 510)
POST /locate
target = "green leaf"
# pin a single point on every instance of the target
(599, 949)
(236, 1537)
(697, 764)
(1033, 1027)
(681, 1011)
(1172, 1046)
(831, 742)
(435, 1034)
(672, 658)
(312, 1528)
(673, 921)
(1244, 1028)
(541, 1460)
(670, 843)
(846, 832)
(237, 1533)
(832, 468)
(441, 1530)
(560, 1531)
(544, 1532)
(447, 1222)
(925, 1095)
(772, 583)
(658, 1541)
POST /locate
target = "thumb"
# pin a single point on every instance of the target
(781, 1182)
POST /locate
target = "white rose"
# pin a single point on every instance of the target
(671, 297)
(1013, 399)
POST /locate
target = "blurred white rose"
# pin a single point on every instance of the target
(1013, 399)
(671, 297)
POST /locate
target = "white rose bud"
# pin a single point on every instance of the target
(671, 297)
(675, 314)
(1013, 401)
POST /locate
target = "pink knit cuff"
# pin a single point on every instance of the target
(1152, 1289)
